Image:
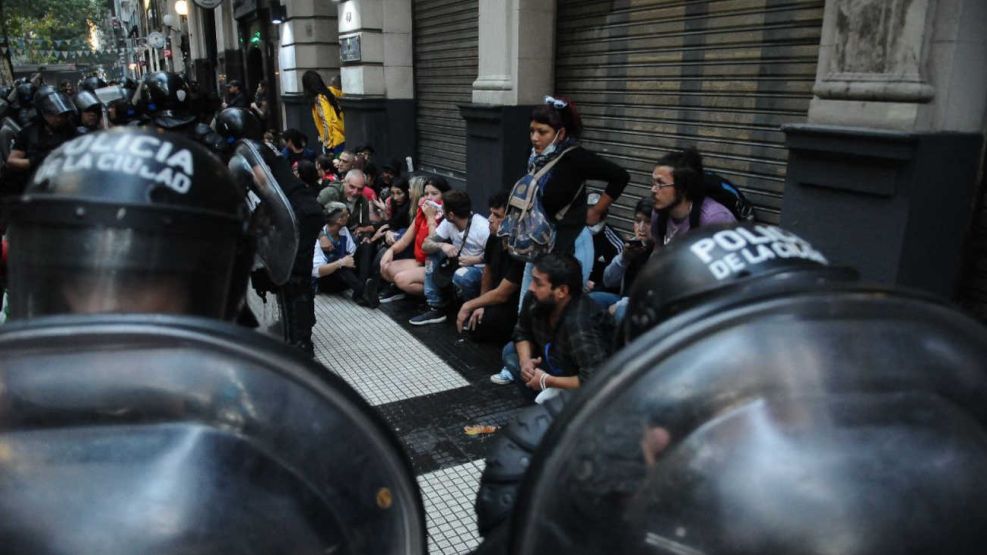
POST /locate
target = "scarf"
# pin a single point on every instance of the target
(538, 161)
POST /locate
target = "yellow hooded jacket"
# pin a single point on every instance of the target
(328, 123)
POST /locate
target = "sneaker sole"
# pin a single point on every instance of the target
(499, 381)
(438, 320)
(392, 299)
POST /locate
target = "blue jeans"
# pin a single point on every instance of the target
(604, 298)
(466, 281)
(512, 363)
(584, 253)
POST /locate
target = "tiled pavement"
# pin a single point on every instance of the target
(428, 384)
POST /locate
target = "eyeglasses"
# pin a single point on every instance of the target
(556, 103)
(658, 185)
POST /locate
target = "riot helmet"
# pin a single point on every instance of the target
(126, 433)
(86, 100)
(91, 83)
(22, 96)
(233, 124)
(119, 104)
(822, 416)
(166, 99)
(126, 220)
(51, 102)
(717, 260)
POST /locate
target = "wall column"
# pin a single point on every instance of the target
(883, 175)
(377, 76)
(308, 41)
(516, 71)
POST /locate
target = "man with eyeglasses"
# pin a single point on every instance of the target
(561, 335)
(677, 186)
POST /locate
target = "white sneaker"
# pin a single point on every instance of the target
(503, 378)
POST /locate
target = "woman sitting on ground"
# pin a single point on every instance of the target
(408, 276)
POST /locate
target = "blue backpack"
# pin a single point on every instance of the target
(530, 232)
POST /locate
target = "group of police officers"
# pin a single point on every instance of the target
(776, 405)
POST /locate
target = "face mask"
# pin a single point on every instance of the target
(550, 148)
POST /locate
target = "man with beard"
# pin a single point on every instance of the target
(561, 335)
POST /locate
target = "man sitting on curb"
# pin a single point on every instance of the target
(561, 335)
(492, 315)
(461, 234)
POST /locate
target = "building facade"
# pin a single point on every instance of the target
(857, 123)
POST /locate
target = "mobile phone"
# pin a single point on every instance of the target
(639, 243)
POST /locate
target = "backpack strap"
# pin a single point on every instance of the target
(697, 209)
(534, 180)
(466, 235)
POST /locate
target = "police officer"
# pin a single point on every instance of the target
(90, 112)
(134, 419)
(120, 110)
(166, 103)
(91, 83)
(21, 99)
(127, 220)
(769, 404)
(234, 124)
(33, 143)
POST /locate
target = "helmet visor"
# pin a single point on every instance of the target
(56, 104)
(68, 269)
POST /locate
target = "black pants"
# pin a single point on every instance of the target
(299, 304)
(341, 280)
(497, 324)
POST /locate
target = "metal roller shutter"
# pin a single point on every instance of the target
(446, 58)
(649, 76)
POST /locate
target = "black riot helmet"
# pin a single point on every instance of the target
(781, 415)
(86, 101)
(91, 83)
(22, 95)
(233, 124)
(49, 101)
(171, 434)
(166, 99)
(119, 104)
(127, 220)
(718, 260)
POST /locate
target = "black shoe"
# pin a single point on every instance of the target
(430, 316)
(370, 293)
(391, 294)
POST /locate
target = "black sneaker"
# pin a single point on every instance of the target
(391, 294)
(430, 316)
(370, 293)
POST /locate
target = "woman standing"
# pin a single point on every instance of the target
(554, 132)
(326, 112)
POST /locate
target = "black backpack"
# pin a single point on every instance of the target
(721, 190)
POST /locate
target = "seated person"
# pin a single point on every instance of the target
(607, 243)
(407, 276)
(397, 212)
(327, 172)
(677, 183)
(492, 315)
(463, 236)
(295, 147)
(333, 265)
(561, 335)
(619, 275)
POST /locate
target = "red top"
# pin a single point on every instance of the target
(420, 225)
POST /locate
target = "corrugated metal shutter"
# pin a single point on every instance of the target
(649, 76)
(446, 58)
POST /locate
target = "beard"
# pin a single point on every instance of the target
(542, 309)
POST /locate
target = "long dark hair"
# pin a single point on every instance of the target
(313, 85)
